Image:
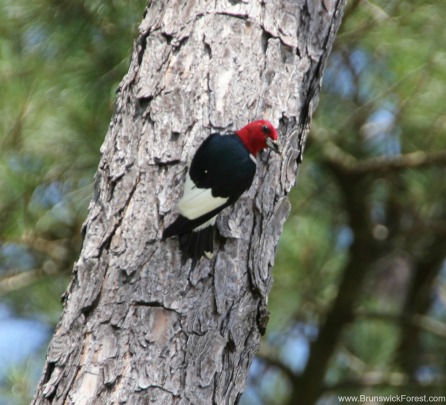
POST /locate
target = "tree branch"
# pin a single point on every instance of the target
(370, 380)
(380, 164)
(268, 356)
(382, 380)
(420, 321)
(20, 279)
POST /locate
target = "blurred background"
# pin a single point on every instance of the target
(358, 301)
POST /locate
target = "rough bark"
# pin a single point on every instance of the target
(137, 326)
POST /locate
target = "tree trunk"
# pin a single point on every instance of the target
(138, 326)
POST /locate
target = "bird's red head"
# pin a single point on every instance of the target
(259, 135)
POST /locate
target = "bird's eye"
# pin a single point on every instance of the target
(265, 129)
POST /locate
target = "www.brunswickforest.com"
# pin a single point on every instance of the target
(358, 399)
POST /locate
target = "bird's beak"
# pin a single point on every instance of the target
(274, 145)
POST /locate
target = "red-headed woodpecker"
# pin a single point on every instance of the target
(221, 170)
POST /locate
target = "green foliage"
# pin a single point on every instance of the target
(383, 96)
(60, 63)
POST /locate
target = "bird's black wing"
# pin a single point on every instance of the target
(223, 164)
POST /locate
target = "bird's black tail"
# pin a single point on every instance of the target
(194, 243)
(197, 243)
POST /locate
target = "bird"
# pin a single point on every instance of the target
(222, 168)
